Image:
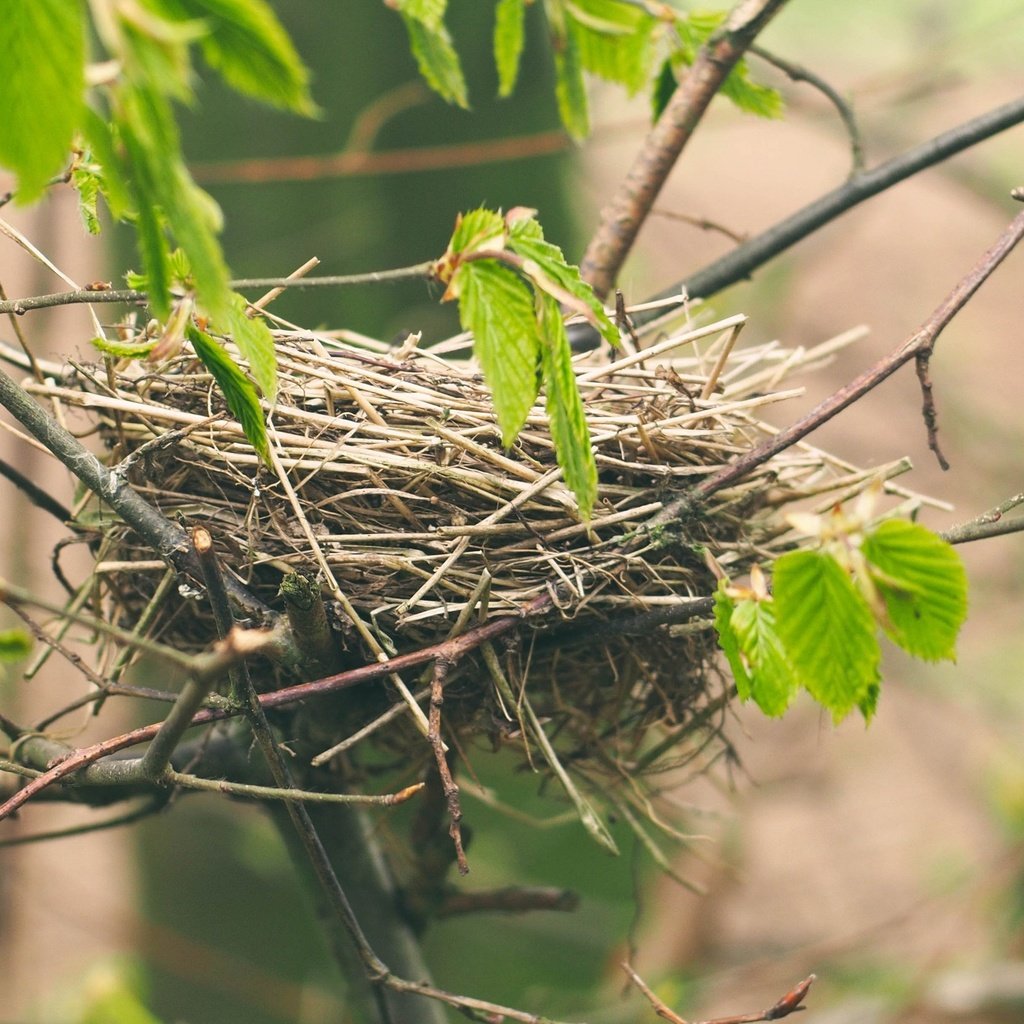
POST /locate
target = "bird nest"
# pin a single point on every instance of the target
(389, 485)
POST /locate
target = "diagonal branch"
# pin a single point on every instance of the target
(623, 217)
(918, 345)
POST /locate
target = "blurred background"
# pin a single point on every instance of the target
(888, 860)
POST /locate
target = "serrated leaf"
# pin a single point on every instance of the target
(15, 644)
(476, 230)
(509, 34)
(773, 683)
(246, 44)
(437, 60)
(86, 182)
(429, 12)
(692, 32)
(43, 48)
(567, 417)
(496, 305)
(923, 584)
(615, 41)
(827, 629)
(239, 392)
(125, 349)
(729, 642)
(116, 189)
(570, 89)
(526, 238)
(256, 343)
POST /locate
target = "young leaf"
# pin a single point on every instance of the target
(614, 40)
(729, 642)
(568, 420)
(496, 305)
(15, 644)
(256, 343)
(508, 42)
(827, 629)
(245, 43)
(86, 181)
(526, 237)
(570, 89)
(239, 391)
(773, 683)
(43, 47)
(431, 45)
(923, 584)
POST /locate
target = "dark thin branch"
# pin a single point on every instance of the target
(922, 341)
(623, 217)
(451, 790)
(40, 498)
(748, 257)
(515, 899)
(928, 411)
(131, 296)
(798, 73)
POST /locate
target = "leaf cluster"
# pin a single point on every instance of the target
(817, 627)
(635, 45)
(511, 284)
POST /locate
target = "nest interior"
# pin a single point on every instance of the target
(390, 486)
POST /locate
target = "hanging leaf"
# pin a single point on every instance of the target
(526, 237)
(568, 419)
(246, 44)
(256, 343)
(43, 48)
(773, 683)
(239, 392)
(431, 45)
(923, 584)
(615, 41)
(570, 89)
(496, 305)
(827, 629)
(509, 20)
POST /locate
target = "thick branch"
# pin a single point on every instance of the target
(622, 218)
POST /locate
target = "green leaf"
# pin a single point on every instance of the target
(15, 644)
(432, 47)
(664, 86)
(496, 305)
(526, 237)
(923, 584)
(43, 48)
(570, 89)
(773, 683)
(827, 629)
(87, 182)
(568, 419)
(239, 391)
(692, 32)
(256, 343)
(508, 42)
(729, 642)
(116, 189)
(477, 230)
(615, 41)
(125, 349)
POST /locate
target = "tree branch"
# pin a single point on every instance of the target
(920, 342)
(623, 217)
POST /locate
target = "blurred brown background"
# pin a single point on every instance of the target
(889, 860)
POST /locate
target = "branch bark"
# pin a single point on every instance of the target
(622, 219)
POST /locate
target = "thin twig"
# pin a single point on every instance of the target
(988, 524)
(798, 73)
(921, 341)
(448, 784)
(40, 498)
